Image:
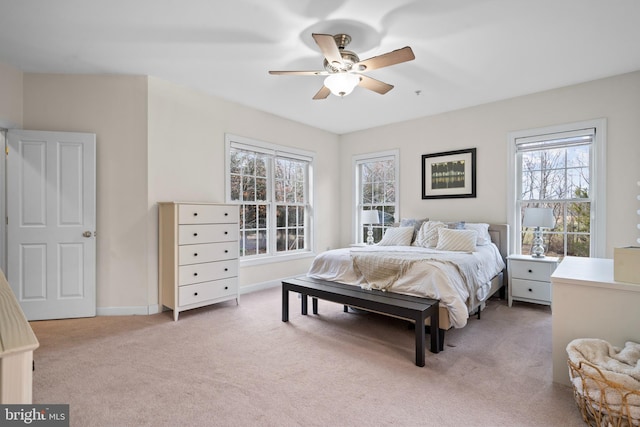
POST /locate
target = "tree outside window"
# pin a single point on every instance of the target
(271, 188)
(559, 178)
(377, 189)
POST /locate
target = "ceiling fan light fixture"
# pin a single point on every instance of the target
(341, 84)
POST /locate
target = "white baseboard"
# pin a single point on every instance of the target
(128, 311)
(260, 286)
(157, 308)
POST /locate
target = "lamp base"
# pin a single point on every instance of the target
(370, 235)
(537, 250)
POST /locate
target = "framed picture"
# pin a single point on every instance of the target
(451, 174)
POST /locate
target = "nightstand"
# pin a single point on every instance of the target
(530, 278)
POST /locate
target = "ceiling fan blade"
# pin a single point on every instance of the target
(329, 48)
(390, 58)
(322, 93)
(300, 73)
(374, 85)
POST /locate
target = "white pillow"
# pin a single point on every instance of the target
(428, 234)
(415, 223)
(484, 238)
(457, 240)
(397, 236)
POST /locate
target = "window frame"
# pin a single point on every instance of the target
(357, 235)
(597, 184)
(274, 151)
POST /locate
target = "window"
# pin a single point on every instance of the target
(376, 187)
(560, 168)
(271, 186)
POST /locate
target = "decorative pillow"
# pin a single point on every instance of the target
(415, 223)
(428, 235)
(457, 240)
(397, 236)
(484, 238)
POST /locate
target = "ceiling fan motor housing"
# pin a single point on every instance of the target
(348, 59)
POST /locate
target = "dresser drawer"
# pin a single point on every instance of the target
(531, 289)
(207, 252)
(203, 214)
(200, 292)
(196, 273)
(531, 270)
(207, 233)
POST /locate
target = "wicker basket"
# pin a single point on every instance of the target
(602, 402)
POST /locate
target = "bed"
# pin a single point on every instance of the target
(462, 280)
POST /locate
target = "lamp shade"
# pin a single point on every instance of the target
(341, 84)
(370, 217)
(538, 217)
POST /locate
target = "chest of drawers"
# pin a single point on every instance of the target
(530, 278)
(198, 254)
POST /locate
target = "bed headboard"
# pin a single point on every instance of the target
(500, 236)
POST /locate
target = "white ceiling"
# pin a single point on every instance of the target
(468, 52)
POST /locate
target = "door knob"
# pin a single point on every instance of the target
(86, 234)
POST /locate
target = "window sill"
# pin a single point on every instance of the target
(272, 259)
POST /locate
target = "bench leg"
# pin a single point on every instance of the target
(420, 342)
(314, 302)
(304, 303)
(435, 332)
(285, 304)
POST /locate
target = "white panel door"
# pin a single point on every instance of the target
(51, 214)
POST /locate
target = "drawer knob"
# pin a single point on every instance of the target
(195, 274)
(530, 271)
(195, 254)
(226, 214)
(226, 269)
(195, 214)
(195, 234)
(195, 294)
(226, 232)
(226, 287)
(530, 290)
(226, 251)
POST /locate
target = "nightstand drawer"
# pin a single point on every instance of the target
(531, 289)
(532, 270)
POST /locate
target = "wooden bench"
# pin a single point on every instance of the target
(404, 306)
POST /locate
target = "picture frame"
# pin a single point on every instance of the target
(449, 174)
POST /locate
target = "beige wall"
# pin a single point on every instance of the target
(159, 141)
(186, 162)
(115, 109)
(10, 96)
(486, 127)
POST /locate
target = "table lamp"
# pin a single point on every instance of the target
(538, 218)
(370, 217)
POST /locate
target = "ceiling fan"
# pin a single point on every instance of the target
(344, 70)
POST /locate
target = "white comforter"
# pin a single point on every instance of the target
(459, 280)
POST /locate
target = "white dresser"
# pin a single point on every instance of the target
(589, 303)
(198, 254)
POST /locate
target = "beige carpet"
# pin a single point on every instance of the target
(229, 365)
